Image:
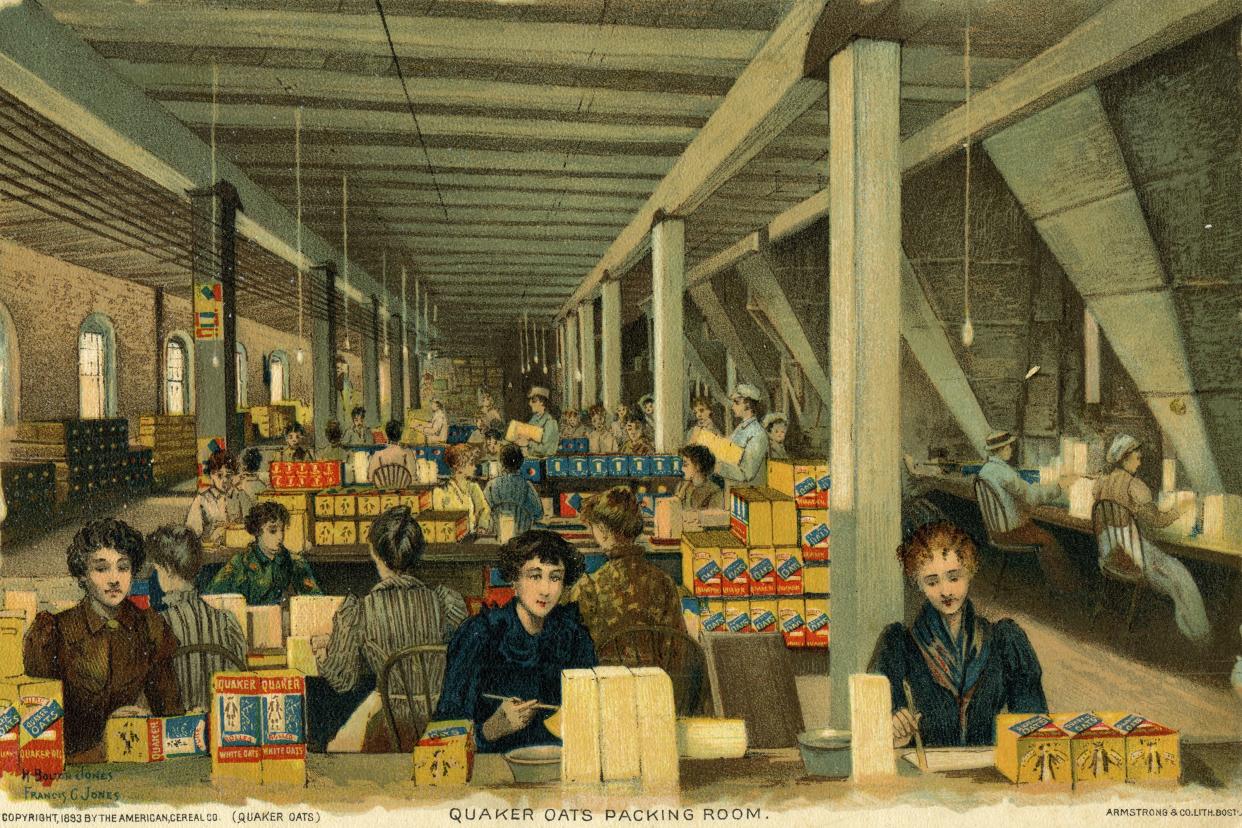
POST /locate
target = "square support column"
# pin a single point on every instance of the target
(396, 368)
(586, 349)
(668, 289)
(370, 367)
(323, 353)
(214, 265)
(610, 343)
(864, 294)
(572, 365)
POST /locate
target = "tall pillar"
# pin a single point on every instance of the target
(668, 288)
(864, 295)
(396, 369)
(370, 367)
(610, 343)
(323, 354)
(161, 357)
(586, 349)
(572, 364)
(214, 263)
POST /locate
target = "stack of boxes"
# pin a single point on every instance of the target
(258, 727)
(29, 492)
(32, 739)
(91, 457)
(754, 578)
(1085, 750)
(343, 515)
(173, 444)
(598, 466)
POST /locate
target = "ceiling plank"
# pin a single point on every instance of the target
(322, 119)
(398, 180)
(163, 80)
(1119, 35)
(720, 53)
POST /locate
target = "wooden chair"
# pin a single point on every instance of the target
(212, 658)
(673, 651)
(995, 523)
(1119, 534)
(407, 675)
(392, 476)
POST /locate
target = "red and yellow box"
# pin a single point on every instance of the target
(806, 481)
(312, 475)
(32, 737)
(762, 570)
(712, 615)
(700, 563)
(737, 616)
(759, 516)
(1153, 751)
(734, 566)
(788, 561)
(817, 621)
(814, 534)
(763, 618)
(791, 616)
(283, 748)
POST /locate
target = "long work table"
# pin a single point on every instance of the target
(1220, 551)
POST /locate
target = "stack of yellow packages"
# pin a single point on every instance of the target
(32, 710)
(1086, 749)
(258, 727)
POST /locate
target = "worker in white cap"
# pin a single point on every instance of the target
(1017, 497)
(538, 399)
(752, 468)
(1161, 570)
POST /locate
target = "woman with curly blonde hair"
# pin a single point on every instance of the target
(962, 668)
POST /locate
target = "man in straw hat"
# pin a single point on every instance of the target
(1017, 498)
(1164, 572)
(752, 469)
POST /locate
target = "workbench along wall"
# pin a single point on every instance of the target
(48, 299)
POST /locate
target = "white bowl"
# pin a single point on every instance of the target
(535, 765)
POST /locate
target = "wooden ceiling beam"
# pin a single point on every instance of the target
(405, 180)
(719, 53)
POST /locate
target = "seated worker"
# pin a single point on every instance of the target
(1016, 498)
(777, 428)
(437, 429)
(1165, 573)
(571, 424)
(698, 490)
(335, 451)
(250, 482)
(177, 556)
(489, 414)
(963, 670)
(460, 493)
(752, 468)
(221, 504)
(646, 414)
(512, 494)
(539, 416)
(393, 454)
(617, 427)
(636, 439)
(295, 449)
(398, 612)
(703, 422)
(493, 442)
(359, 434)
(600, 436)
(518, 651)
(628, 590)
(109, 654)
(265, 572)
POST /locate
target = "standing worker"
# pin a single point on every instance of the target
(752, 468)
(539, 416)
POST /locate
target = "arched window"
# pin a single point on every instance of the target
(97, 367)
(278, 376)
(10, 385)
(242, 383)
(178, 375)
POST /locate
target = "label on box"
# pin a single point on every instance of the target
(737, 617)
(43, 718)
(763, 620)
(713, 618)
(707, 574)
(9, 720)
(788, 572)
(1028, 726)
(762, 572)
(320, 474)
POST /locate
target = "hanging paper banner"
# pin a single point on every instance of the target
(208, 302)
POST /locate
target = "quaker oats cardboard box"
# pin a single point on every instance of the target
(1031, 749)
(1153, 751)
(1097, 751)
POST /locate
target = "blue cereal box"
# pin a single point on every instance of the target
(558, 467)
(283, 751)
(618, 465)
(532, 470)
(597, 467)
(640, 465)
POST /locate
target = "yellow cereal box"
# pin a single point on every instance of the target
(791, 616)
(1097, 751)
(737, 616)
(325, 533)
(700, 562)
(817, 580)
(788, 570)
(713, 615)
(817, 620)
(734, 566)
(1153, 751)
(445, 753)
(763, 617)
(1031, 749)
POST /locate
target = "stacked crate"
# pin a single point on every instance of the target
(810, 484)
(754, 578)
(343, 515)
(272, 419)
(91, 457)
(29, 491)
(172, 440)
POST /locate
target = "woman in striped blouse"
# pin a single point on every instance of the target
(400, 611)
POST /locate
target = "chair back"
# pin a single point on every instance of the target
(195, 664)
(413, 676)
(994, 519)
(673, 651)
(392, 476)
(1117, 532)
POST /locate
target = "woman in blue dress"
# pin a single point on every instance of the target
(517, 652)
(962, 668)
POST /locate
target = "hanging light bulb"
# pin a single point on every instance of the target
(301, 356)
(215, 360)
(968, 333)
